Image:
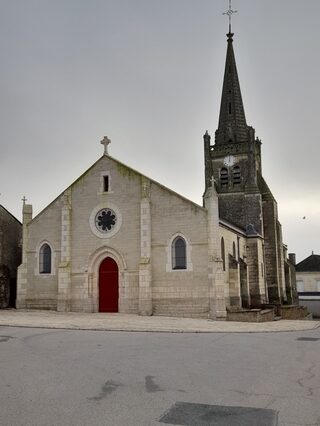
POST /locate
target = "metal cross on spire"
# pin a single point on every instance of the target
(24, 200)
(230, 12)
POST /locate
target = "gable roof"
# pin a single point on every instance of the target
(130, 170)
(10, 214)
(310, 264)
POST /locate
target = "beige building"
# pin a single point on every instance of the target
(117, 241)
(308, 283)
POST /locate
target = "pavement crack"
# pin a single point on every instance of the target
(309, 376)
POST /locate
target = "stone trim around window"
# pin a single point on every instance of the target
(115, 228)
(169, 266)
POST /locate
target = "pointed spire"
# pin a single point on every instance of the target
(232, 121)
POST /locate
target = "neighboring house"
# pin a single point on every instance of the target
(308, 283)
(10, 256)
(116, 240)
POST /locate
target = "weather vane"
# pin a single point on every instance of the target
(230, 12)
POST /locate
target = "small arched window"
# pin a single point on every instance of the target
(234, 249)
(45, 259)
(236, 175)
(223, 254)
(224, 177)
(179, 254)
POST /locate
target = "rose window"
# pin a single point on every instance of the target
(105, 220)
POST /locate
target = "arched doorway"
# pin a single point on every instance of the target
(108, 286)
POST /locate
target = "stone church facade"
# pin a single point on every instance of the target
(117, 241)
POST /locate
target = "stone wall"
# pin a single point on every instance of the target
(232, 209)
(251, 315)
(10, 256)
(256, 275)
(42, 289)
(293, 312)
(271, 249)
(178, 292)
(235, 249)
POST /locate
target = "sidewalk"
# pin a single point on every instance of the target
(125, 322)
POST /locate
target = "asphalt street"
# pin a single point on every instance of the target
(77, 377)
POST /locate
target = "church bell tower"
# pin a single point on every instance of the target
(234, 160)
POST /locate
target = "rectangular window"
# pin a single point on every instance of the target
(300, 286)
(105, 183)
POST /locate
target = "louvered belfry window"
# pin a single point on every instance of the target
(224, 177)
(236, 175)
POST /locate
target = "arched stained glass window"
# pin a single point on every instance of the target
(45, 259)
(179, 254)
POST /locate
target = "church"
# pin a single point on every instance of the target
(118, 241)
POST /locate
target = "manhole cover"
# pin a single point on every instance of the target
(189, 414)
(308, 339)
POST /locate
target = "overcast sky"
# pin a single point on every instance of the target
(148, 73)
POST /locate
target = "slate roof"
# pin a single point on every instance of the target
(232, 119)
(310, 264)
(9, 214)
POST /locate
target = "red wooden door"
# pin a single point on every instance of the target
(108, 286)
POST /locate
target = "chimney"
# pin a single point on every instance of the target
(292, 258)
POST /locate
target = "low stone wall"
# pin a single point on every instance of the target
(188, 308)
(250, 315)
(273, 306)
(293, 312)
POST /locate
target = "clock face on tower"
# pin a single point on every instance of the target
(229, 160)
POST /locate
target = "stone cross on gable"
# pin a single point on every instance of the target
(105, 141)
(24, 200)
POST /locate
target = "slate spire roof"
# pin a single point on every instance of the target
(232, 121)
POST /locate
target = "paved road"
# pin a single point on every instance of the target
(72, 377)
